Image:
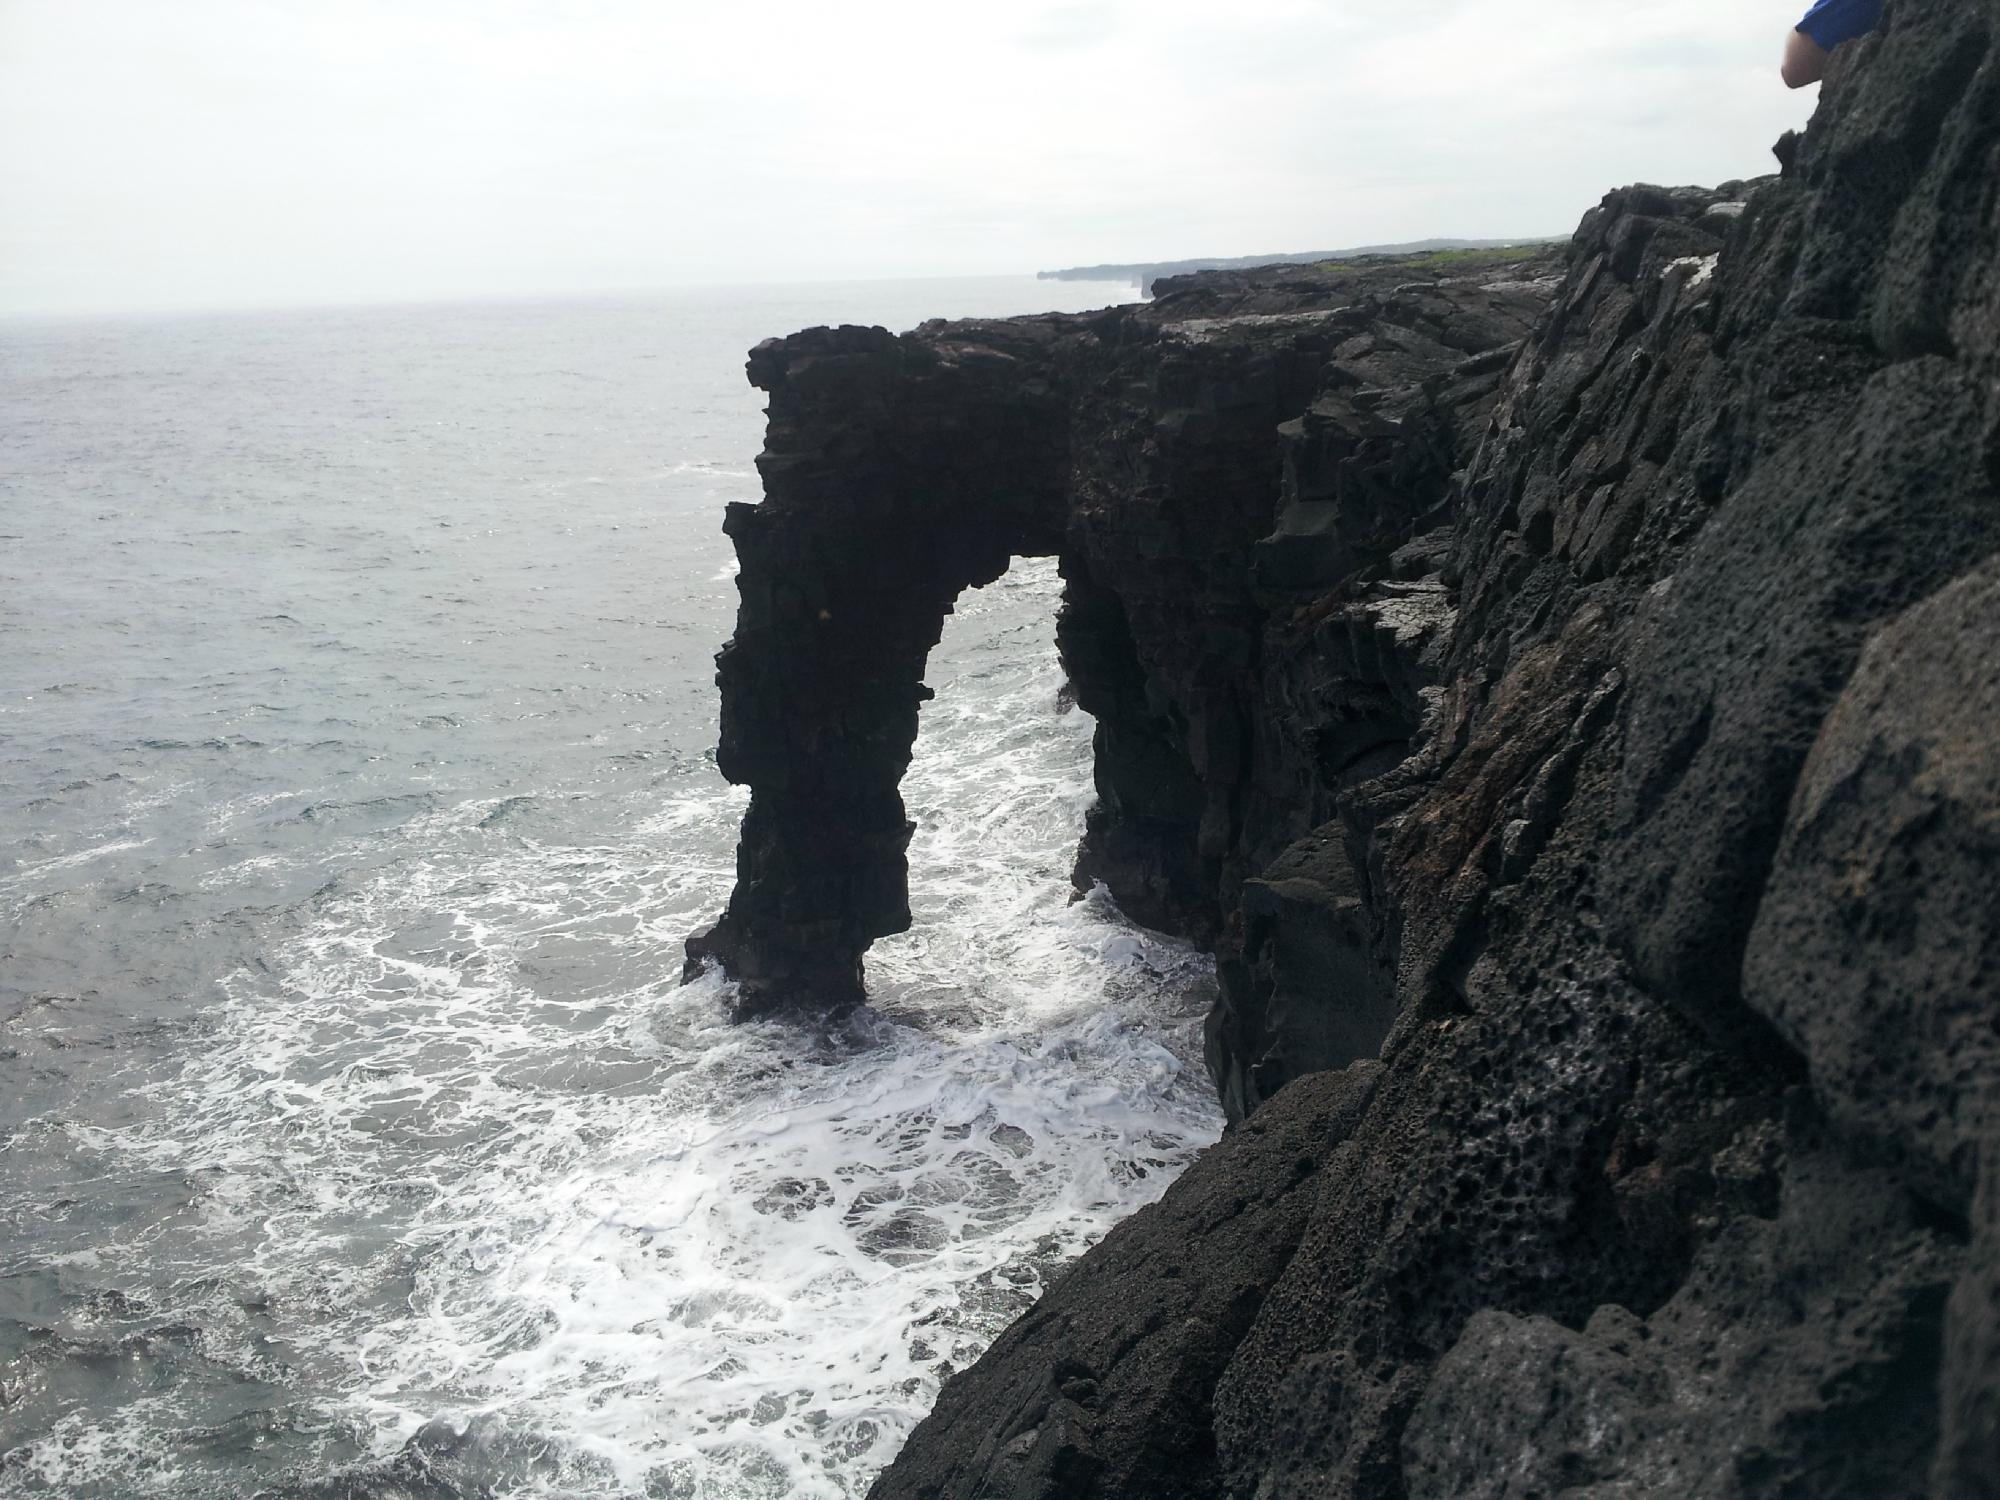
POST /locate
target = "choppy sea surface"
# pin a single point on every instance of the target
(356, 794)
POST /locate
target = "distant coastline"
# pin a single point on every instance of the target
(1143, 274)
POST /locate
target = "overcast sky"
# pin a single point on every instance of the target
(177, 153)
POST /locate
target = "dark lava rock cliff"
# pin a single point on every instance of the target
(1564, 691)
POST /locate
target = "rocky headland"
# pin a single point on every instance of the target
(1563, 689)
(1147, 275)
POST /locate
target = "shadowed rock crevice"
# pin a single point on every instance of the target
(1143, 834)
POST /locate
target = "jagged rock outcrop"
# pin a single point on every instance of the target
(896, 473)
(1597, 737)
(1162, 453)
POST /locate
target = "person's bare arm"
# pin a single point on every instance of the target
(1805, 61)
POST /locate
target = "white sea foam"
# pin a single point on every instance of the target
(39, 870)
(485, 1163)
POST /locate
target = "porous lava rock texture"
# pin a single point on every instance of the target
(1566, 696)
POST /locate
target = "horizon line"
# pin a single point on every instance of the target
(193, 309)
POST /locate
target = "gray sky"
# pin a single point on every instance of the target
(179, 153)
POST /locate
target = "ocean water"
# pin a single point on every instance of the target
(356, 794)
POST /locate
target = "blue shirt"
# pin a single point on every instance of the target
(1831, 22)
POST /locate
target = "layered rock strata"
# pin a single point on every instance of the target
(1567, 698)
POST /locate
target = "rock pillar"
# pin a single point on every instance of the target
(896, 474)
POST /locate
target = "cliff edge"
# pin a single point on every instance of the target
(1562, 688)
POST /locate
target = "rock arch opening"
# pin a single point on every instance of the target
(996, 792)
(896, 474)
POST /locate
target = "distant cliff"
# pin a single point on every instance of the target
(1145, 275)
(1564, 692)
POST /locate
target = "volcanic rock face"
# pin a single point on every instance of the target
(1201, 466)
(896, 473)
(1583, 757)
